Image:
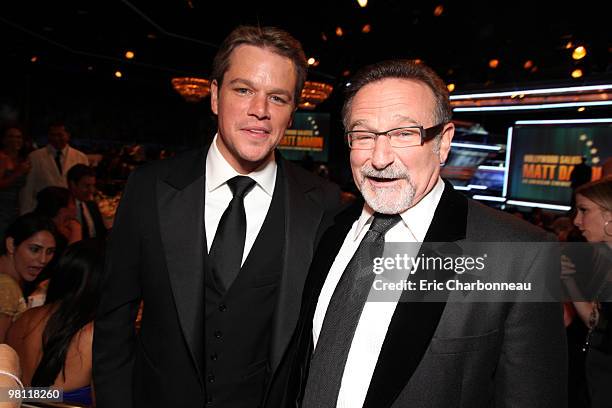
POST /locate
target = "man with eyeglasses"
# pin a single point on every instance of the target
(350, 351)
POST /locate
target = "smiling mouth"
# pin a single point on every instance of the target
(257, 131)
(382, 179)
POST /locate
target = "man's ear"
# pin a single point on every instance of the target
(10, 245)
(445, 141)
(214, 96)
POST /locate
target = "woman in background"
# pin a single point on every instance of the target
(54, 341)
(29, 245)
(594, 220)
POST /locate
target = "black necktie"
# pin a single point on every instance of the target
(58, 160)
(342, 315)
(228, 245)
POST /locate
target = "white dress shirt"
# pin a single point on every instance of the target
(218, 196)
(44, 173)
(84, 216)
(376, 316)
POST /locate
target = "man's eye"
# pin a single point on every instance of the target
(278, 99)
(242, 91)
(34, 249)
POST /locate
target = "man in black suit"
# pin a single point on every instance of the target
(355, 347)
(82, 186)
(217, 244)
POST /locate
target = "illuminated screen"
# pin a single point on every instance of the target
(308, 134)
(543, 156)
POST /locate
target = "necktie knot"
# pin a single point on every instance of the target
(240, 185)
(384, 222)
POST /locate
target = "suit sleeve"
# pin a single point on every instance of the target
(532, 370)
(114, 334)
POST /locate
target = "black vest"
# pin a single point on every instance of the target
(239, 322)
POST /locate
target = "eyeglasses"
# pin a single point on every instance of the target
(399, 137)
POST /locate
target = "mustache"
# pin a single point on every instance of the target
(388, 172)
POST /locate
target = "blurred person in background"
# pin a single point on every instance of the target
(54, 341)
(594, 220)
(29, 244)
(14, 168)
(50, 165)
(58, 204)
(82, 186)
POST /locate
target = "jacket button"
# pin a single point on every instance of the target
(211, 378)
(214, 356)
(209, 400)
(218, 334)
(223, 308)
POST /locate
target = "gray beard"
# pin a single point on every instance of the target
(389, 200)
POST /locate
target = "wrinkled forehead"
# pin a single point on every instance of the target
(392, 102)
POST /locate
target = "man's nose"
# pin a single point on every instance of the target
(259, 107)
(382, 154)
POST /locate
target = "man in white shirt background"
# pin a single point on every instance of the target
(350, 352)
(50, 165)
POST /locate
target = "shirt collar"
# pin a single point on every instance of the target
(417, 218)
(53, 150)
(219, 171)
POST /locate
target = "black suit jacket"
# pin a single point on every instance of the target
(446, 354)
(157, 254)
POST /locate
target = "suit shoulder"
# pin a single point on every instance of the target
(37, 154)
(488, 224)
(309, 179)
(162, 168)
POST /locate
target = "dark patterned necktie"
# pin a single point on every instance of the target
(342, 316)
(58, 160)
(228, 245)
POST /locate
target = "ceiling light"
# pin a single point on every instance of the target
(129, 54)
(362, 3)
(339, 31)
(493, 63)
(451, 87)
(311, 61)
(118, 74)
(528, 64)
(438, 10)
(314, 93)
(569, 45)
(577, 73)
(579, 53)
(366, 29)
(191, 89)
(581, 109)
(34, 58)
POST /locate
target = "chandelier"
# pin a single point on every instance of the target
(314, 93)
(192, 89)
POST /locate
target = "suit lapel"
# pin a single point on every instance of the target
(326, 253)
(414, 323)
(302, 218)
(180, 204)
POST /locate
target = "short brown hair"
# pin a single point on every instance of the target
(400, 69)
(271, 38)
(599, 192)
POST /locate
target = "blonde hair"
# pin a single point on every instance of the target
(599, 191)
